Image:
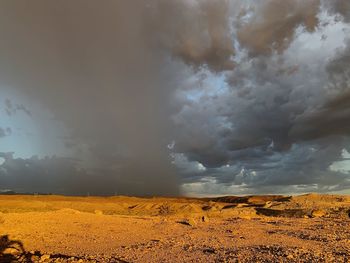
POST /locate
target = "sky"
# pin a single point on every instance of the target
(175, 97)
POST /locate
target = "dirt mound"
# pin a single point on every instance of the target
(254, 200)
(236, 206)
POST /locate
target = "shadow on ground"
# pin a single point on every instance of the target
(12, 251)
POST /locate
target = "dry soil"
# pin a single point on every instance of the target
(307, 228)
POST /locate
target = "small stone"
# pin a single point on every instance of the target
(290, 256)
(205, 219)
(98, 212)
(187, 247)
(11, 251)
(44, 257)
(189, 222)
(318, 213)
(34, 258)
(268, 204)
(209, 251)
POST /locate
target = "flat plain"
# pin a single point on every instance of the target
(48, 228)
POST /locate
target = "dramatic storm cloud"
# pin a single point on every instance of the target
(154, 97)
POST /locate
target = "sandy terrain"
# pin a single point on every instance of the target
(309, 228)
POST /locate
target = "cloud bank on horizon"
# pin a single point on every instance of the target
(167, 97)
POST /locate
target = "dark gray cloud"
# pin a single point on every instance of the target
(260, 107)
(332, 116)
(102, 69)
(94, 69)
(66, 176)
(305, 167)
(253, 94)
(281, 121)
(340, 7)
(331, 119)
(197, 32)
(12, 109)
(2, 132)
(5, 132)
(9, 109)
(271, 24)
(53, 175)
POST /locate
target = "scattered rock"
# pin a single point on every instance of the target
(290, 256)
(209, 251)
(318, 213)
(11, 251)
(187, 247)
(206, 207)
(34, 258)
(98, 212)
(188, 222)
(205, 219)
(44, 257)
(268, 204)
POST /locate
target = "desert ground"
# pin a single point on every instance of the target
(306, 228)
